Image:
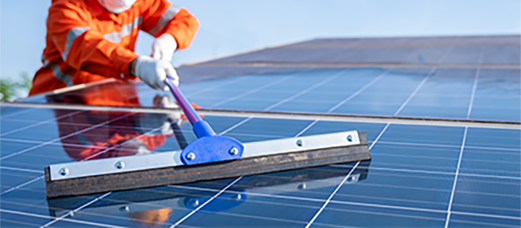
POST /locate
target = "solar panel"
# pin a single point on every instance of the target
(459, 167)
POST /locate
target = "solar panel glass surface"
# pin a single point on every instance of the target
(409, 181)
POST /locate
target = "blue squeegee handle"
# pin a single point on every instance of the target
(200, 127)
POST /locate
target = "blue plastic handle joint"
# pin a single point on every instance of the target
(209, 147)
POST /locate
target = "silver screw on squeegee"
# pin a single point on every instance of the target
(63, 171)
(234, 151)
(190, 156)
(299, 142)
(119, 165)
(349, 138)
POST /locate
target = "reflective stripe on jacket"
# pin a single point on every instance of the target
(86, 43)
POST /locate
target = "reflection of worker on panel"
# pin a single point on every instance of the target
(92, 40)
(89, 135)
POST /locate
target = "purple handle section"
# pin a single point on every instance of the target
(189, 111)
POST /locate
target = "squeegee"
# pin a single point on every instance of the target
(209, 157)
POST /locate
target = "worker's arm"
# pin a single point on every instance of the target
(162, 17)
(81, 46)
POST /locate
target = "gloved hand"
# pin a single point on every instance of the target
(164, 47)
(153, 72)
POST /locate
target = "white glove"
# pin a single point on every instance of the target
(153, 72)
(164, 47)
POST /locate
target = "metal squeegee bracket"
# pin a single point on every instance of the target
(173, 159)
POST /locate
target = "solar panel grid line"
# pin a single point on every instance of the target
(39, 123)
(307, 128)
(235, 126)
(21, 185)
(380, 213)
(254, 90)
(486, 215)
(404, 170)
(16, 113)
(24, 141)
(484, 224)
(331, 196)
(404, 187)
(418, 144)
(421, 166)
(488, 194)
(23, 170)
(489, 207)
(474, 87)
(306, 90)
(65, 219)
(415, 156)
(343, 181)
(64, 137)
(490, 176)
(255, 194)
(493, 148)
(429, 75)
(71, 213)
(213, 87)
(206, 202)
(451, 200)
(255, 217)
(358, 91)
(18, 222)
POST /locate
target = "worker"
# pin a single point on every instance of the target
(92, 40)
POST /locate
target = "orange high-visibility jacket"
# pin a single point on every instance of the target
(87, 43)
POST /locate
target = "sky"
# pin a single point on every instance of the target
(235, 26)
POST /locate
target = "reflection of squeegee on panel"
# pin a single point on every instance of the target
(182, 197)
(209, 157)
